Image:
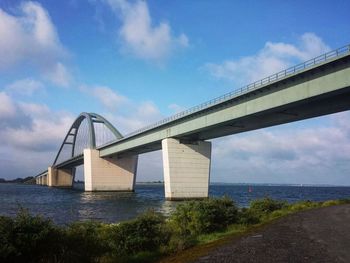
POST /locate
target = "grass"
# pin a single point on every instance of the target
(231, 230)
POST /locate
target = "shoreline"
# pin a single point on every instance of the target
(27, 182)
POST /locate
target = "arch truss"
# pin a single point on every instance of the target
(89, 130)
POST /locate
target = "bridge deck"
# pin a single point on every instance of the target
(314, 88)
(320, 89)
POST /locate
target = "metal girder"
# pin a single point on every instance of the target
(100, 119)
(91, 118)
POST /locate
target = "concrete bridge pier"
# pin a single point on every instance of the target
(44, 180)
(186, 169)
(110, 173)
(60, 177)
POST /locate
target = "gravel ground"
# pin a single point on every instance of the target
(319, 235)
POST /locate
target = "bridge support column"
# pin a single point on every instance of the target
(186, 169)
(109, 174)
(44, 180)
(60, 177)
(39, 180)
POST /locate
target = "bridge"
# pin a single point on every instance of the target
(314, 88)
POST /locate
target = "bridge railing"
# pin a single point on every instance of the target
(250, 87)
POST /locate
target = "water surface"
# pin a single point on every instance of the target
(67, 205)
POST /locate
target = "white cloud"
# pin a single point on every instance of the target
(7, 106)
(147, 110)
(11, 115)
(35, 110)
(30, 39)
(140, 37)
(31, 126)
(176, 108)
(150, 167)
(26, 87)
(58, 74)
(306, 154)
(136, 115)
(272, 58)
(109, 98)
(45, 134)
(127, 115)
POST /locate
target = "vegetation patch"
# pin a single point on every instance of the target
(147, 238)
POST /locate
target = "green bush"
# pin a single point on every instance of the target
(192, 218)
(147, 232)
(27, 238)
(248, 217)
(83, 242)
(7, 246)
(262, 207)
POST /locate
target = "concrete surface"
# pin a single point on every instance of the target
(109, 174)
(186, 169)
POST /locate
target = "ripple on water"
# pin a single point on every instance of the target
(68, 205)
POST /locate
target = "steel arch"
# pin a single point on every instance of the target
(91, 118)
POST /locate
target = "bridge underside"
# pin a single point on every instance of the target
(324, 104)
(329, 103)
(315, 92)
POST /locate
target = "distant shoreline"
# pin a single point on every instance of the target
(31, 180)
(276, 184)
(27, 180)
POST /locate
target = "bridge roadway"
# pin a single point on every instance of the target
(314, 88)
(298, 93)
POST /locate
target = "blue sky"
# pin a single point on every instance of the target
(135, 62)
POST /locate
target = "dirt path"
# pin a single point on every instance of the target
(320, 235)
